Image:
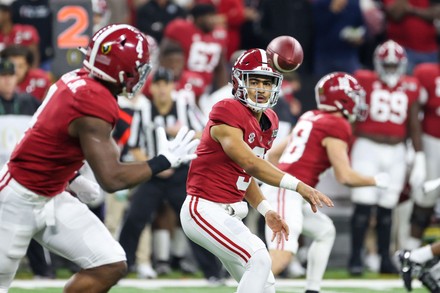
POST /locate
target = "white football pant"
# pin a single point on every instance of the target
(62, 224)
(370, 158)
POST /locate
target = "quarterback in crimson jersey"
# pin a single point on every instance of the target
(203, 44)
(74, 124)
(380, 146)
(318, 141)
(230, 155)
(232, 183)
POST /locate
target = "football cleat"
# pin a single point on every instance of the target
(429, 282)
(406, 268)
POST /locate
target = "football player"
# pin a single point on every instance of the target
(380, 147)
(203, 43)
(429, 76)
(230, 160)
(318, 141)
(421, 263)
(74, 124)
(34, 81)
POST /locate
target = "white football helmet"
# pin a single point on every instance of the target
(390, 62)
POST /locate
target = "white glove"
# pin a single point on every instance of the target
(418, 171)
(181, 149)
(382, 180)
(86, 190)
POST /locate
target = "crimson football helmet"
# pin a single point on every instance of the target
(250, 63)
(118, 53)
(339, 91)
(390, 62)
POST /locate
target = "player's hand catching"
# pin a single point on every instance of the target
(278, 226)
(314, 197)
(181, 149)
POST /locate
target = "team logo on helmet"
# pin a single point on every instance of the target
(106, 48)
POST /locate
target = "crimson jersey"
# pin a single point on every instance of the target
(429, 76)
(412, 31)
(203, 51)
(35, 83)
(388, 108)
(305, 157)
(192, 81)
(47, 156)
(213, 175)
(21, 34)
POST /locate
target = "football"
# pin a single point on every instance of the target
(285, 53)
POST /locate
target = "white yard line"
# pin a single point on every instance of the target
(170, 283)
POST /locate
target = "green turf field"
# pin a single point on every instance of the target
(199, 286)
(225, 290)
(336, 281)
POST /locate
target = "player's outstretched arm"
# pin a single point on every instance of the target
(337, 152)
(102, 153)
(231, 139)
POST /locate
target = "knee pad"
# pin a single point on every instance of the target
(329, 234)
(421, 217)
(270, 281)
(260, 259)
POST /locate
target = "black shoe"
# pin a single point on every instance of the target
(356, 271)
(387, 267)
(355, 267)
(429, 282)
(406, 267)
(162, 268)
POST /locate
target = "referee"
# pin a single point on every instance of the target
(170, 110)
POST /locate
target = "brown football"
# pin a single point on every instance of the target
(285, 53)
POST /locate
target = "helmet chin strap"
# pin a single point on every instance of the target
(124, 86)
(256, 106)
(350, 117)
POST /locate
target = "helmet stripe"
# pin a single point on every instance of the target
(97, 44)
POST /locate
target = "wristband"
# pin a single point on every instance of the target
(263, 207)
(158, 164)
(289, 182)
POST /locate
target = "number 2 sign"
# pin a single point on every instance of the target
(72, 28)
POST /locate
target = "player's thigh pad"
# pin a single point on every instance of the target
(17, 225)
(394, 163)
(79, 235)
(365, 160)
(288, 204)
(370, 158)
(208, 224)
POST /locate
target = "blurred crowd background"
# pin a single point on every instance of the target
(195, 43)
